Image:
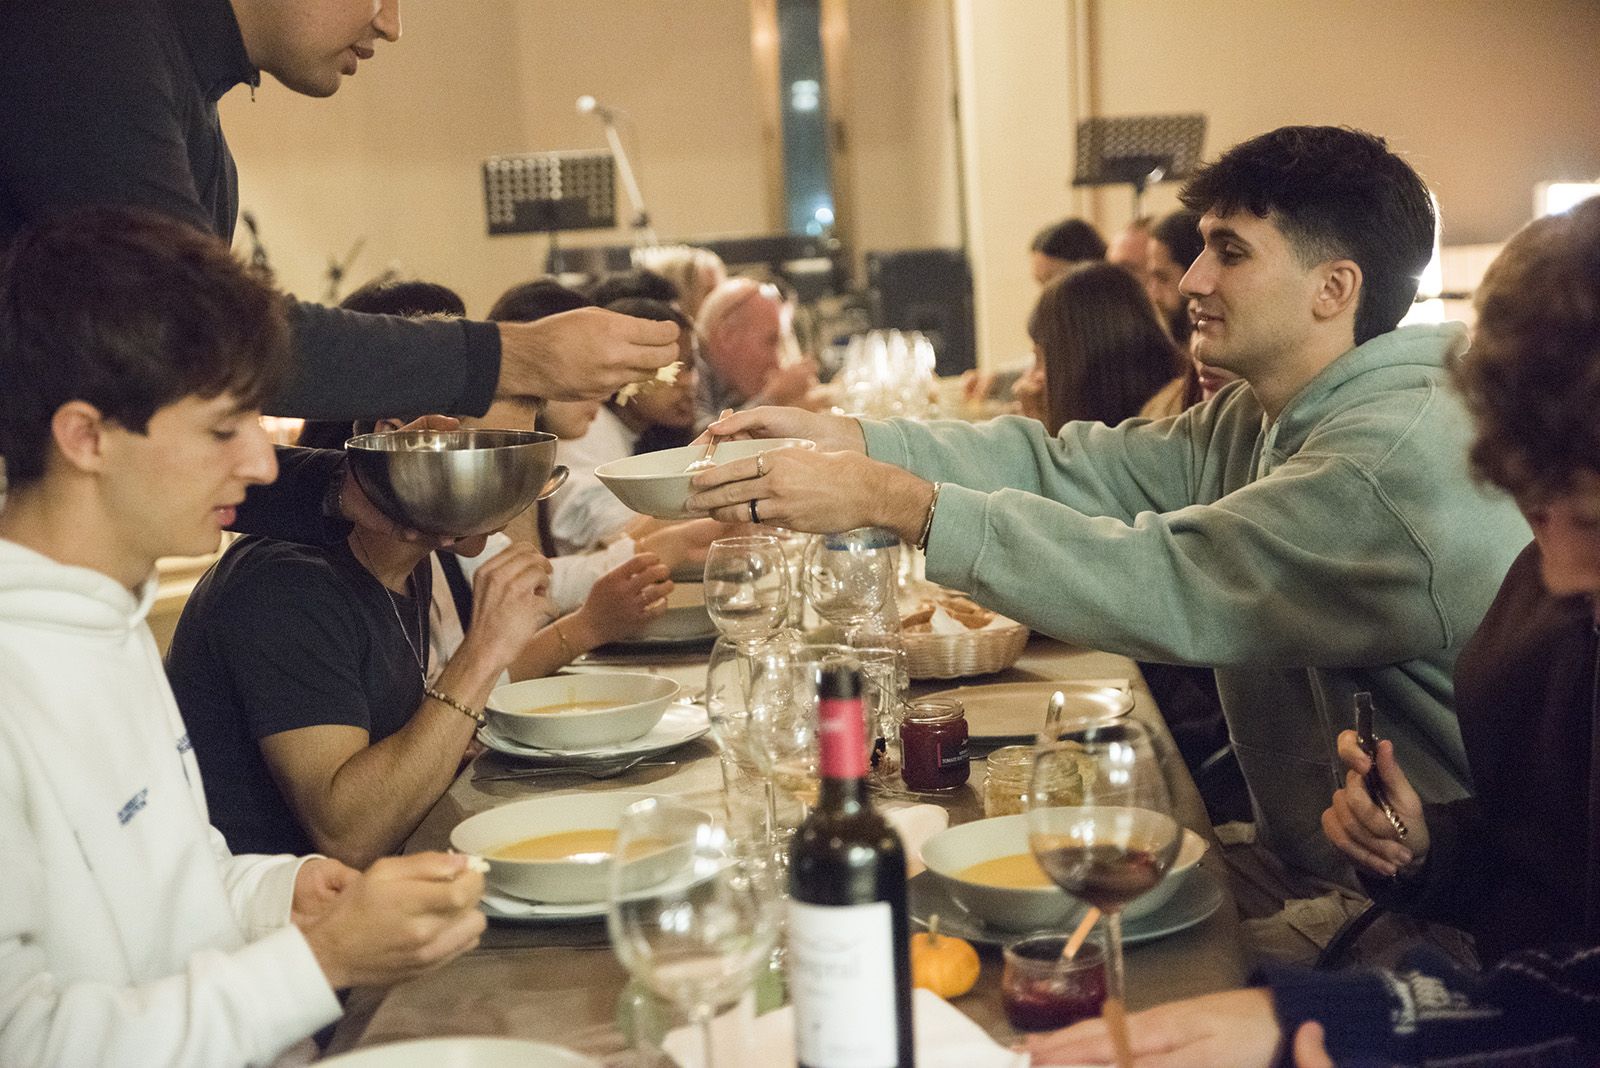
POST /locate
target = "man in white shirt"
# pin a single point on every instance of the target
(134, 350)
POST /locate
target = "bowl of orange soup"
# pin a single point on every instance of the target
(582, 711)
(988, 869)
(555, 850)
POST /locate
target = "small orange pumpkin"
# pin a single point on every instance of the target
(947, 966)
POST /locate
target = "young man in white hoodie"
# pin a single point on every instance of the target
(133, 350)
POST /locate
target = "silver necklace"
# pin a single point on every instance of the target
(395, 608)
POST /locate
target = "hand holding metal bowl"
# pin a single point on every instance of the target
(455, 483)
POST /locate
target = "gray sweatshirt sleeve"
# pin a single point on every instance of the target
(1092, 538)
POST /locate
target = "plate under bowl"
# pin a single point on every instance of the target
(685, 619)
(657, 484)
(474, 1052)
(635, 703)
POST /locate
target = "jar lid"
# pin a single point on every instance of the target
(1019, 757)
(934, 711)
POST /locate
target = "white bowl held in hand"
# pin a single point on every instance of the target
(657, 483)
(582, 711)
(951, 852)
(580, 880)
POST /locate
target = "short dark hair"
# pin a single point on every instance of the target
(645, 308)
(1532, 376)
(530, 301)
(1179, 231)
(410, 297)
(1070, 240)
(130, 311)
(1105, 350)
(1336, 193)
(637, 282)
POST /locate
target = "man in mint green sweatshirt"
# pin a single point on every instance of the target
(1310, 532)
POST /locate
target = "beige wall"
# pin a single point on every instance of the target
(394, 157)
(902, 125)
(1016, 140)
(1484, 97)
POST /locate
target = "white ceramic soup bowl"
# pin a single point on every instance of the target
(561, 882)
(558, 712)
(657, 483)
(956, 849)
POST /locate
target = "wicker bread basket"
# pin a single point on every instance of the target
(976, 652)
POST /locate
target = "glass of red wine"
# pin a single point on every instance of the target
(1118, 844)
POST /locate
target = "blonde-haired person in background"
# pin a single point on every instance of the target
(694, 271)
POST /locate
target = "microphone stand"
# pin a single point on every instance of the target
(644, 233)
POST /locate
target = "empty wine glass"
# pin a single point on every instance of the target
(1116, 845)
(727, 697)
(849, 577)
(747, 586)
(783, 711)
(690, 915)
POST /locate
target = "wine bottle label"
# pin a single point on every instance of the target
(841, 975)
(841, 738)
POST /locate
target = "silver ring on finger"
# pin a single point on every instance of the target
(754, 517)
(761, 465)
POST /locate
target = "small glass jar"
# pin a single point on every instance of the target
(1008, 779)
(1041, 992)
(933, 746)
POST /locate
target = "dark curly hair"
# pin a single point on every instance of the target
(130, 311)
(1336, 193)
(1532, 376)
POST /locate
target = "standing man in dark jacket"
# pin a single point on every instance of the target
(115, 101)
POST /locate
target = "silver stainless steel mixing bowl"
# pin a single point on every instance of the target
(455, 483)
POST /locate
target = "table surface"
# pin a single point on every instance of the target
(561, 983)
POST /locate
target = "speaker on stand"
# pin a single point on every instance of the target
(928, 290)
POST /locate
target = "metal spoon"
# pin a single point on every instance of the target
(705, 463)
(1053, 714)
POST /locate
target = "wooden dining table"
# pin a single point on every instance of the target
(561, 984)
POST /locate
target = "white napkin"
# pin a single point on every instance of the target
(915, 823)
(944, 1036)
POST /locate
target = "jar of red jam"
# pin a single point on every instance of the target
(933, 746)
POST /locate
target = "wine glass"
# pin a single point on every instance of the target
(783, 711)
(747, 586)
(727, 697)
(691, 916)
(1113, 847)
(849, 577)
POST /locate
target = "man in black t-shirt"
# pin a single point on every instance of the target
(299, 671)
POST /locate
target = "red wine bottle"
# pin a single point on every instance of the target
(849, 960)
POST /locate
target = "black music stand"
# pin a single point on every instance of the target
(547, 192)
(1138, 150)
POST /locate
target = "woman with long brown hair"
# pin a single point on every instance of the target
(1100, 348)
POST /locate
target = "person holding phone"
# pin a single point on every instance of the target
(1518, 863)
